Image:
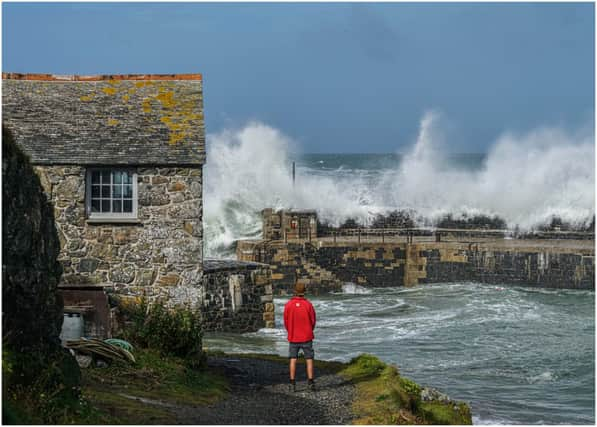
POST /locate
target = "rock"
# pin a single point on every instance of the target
(429, 394)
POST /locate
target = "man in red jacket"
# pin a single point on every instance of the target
(299, 321)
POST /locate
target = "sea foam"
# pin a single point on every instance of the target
(526, 179)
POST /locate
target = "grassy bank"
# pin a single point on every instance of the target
(142, 393)
(147, 392)
(385, 397)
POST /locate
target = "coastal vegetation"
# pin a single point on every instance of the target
(385, 397)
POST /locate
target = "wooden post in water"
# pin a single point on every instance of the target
(334, 234)
(382, 236)
(359, 235)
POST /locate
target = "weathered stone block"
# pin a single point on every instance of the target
(126, 236)
(70, 188)
(169, 279)
(177, 186)
(177, 197)
(104, 251)
(124, 273)
(159, 180)
(105, 236)
(153, 195)
(266, 298)
(88, 265)
(146, 277)
(186, 210)
(188, 227)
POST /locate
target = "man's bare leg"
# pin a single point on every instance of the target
(310, 374)
(310, 369)
(292, 374)
(292, 369)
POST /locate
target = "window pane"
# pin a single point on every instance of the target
(105, 191)
(105, 205)
(105, 177)
(128, 177)
(128, 191)
(117, 189)
(117, 177)
(95, 177)
(95, 206)
(127, 205)
(95, 191)
(117, 205)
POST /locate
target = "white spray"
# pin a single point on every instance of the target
(525, 180)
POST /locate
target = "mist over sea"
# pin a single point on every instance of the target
(517, 355)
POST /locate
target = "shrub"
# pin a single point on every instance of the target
(176, 331)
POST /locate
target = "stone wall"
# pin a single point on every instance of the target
(529, 268)
(237, 296)
(325, 266)
(31, 305)
(160, 255)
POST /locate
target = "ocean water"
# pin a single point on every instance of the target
(516, 355)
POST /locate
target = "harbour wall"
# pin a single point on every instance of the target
(325, 265)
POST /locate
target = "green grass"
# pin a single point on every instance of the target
(385, 397)
(155, 377)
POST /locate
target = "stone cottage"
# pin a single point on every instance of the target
(120, 157)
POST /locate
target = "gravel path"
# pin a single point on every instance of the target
(260, 395)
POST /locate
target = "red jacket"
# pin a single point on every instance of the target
(299, 319)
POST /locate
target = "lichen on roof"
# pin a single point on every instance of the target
(157, 120)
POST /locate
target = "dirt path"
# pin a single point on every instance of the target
(260, 395)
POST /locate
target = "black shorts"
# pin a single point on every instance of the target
(307, 347)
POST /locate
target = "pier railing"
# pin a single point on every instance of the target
(436, 234)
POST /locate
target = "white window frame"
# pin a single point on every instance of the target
(110, 216)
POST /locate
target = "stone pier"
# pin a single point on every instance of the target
(325, 263)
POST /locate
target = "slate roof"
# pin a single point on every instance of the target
(106, 120)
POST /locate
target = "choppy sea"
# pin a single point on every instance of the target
(517, 355)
